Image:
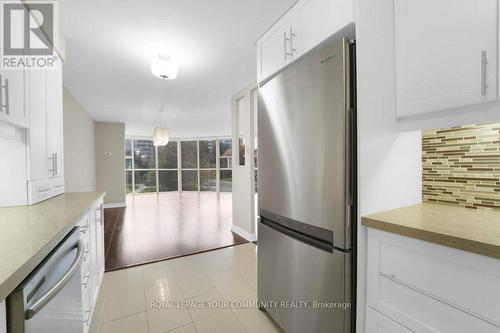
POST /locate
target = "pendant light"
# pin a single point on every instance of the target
(160, 134)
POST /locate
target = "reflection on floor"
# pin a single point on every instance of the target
(136, 299)
(155, 227)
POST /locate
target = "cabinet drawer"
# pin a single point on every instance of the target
(57, 185)
(39, 190)
(378, 323)
(431, 287)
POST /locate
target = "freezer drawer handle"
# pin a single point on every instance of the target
(320, 244)
(45, 299)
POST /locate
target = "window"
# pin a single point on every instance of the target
(168, 180)
(225, 172)
(226, 152)
(190, 180)
(208, 180)
(144, 154)
(226, 180)
(145, 181)
(185, 165)
(128, 182)
(167, 156)
(144, 166)
(168, 177)
(208, 165)
(189, 153)
(208, 154)
(189, 165)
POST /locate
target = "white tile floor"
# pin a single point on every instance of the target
(126, 297)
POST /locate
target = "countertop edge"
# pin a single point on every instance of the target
(22, 272)
(460, 243)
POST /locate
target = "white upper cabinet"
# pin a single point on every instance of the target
(305, 25)
(55, 120)
(275, 48)
(38, 165)
(445, 54)
(12, 100)
(316, 20)
(45, 135)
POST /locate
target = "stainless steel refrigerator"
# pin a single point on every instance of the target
(307, 191)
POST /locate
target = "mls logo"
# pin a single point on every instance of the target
(28, 29)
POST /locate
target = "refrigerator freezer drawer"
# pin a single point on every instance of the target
(291, 272)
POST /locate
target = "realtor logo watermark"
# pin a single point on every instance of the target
(28, 32)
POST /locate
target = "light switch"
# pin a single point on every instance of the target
(107, 153)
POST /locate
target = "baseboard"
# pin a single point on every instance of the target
(115, 205)
(243, 233)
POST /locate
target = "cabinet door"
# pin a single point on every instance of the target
(94, 269)
(13, 97)
(445, 54)
(316, 20)
(55, 118)
(39, 165)
(274, 48)
(99, 215)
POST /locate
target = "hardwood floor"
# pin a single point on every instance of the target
(157, 227)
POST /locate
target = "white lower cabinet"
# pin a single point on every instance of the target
(378, 323)
(427, 287)
(92, 269)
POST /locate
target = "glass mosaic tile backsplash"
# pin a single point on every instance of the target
(461, 166)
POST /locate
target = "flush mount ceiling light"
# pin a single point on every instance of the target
(163, 67)
(160, 134)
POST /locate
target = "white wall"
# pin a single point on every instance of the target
(389, 169)
(79, 147)
(13, 188)
(110, 162)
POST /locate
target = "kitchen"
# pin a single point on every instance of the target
(424, 240)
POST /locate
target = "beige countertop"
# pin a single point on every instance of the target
(29, 233)
(471, 230)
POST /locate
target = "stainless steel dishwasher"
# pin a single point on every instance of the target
(50, 298)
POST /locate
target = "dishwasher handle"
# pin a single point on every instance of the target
(42, 301)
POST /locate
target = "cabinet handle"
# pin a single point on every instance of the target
(292, 34)
(6, 86)
(285, 39)
(7, 102)
(394, 279)
(54, 164)
(1, 95)
(484, 62)
(87, 278)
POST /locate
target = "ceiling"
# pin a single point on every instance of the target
(109, 45)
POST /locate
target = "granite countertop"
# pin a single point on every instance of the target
(29, 233)
(467, 229)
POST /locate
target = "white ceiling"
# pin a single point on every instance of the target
(109, 44)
